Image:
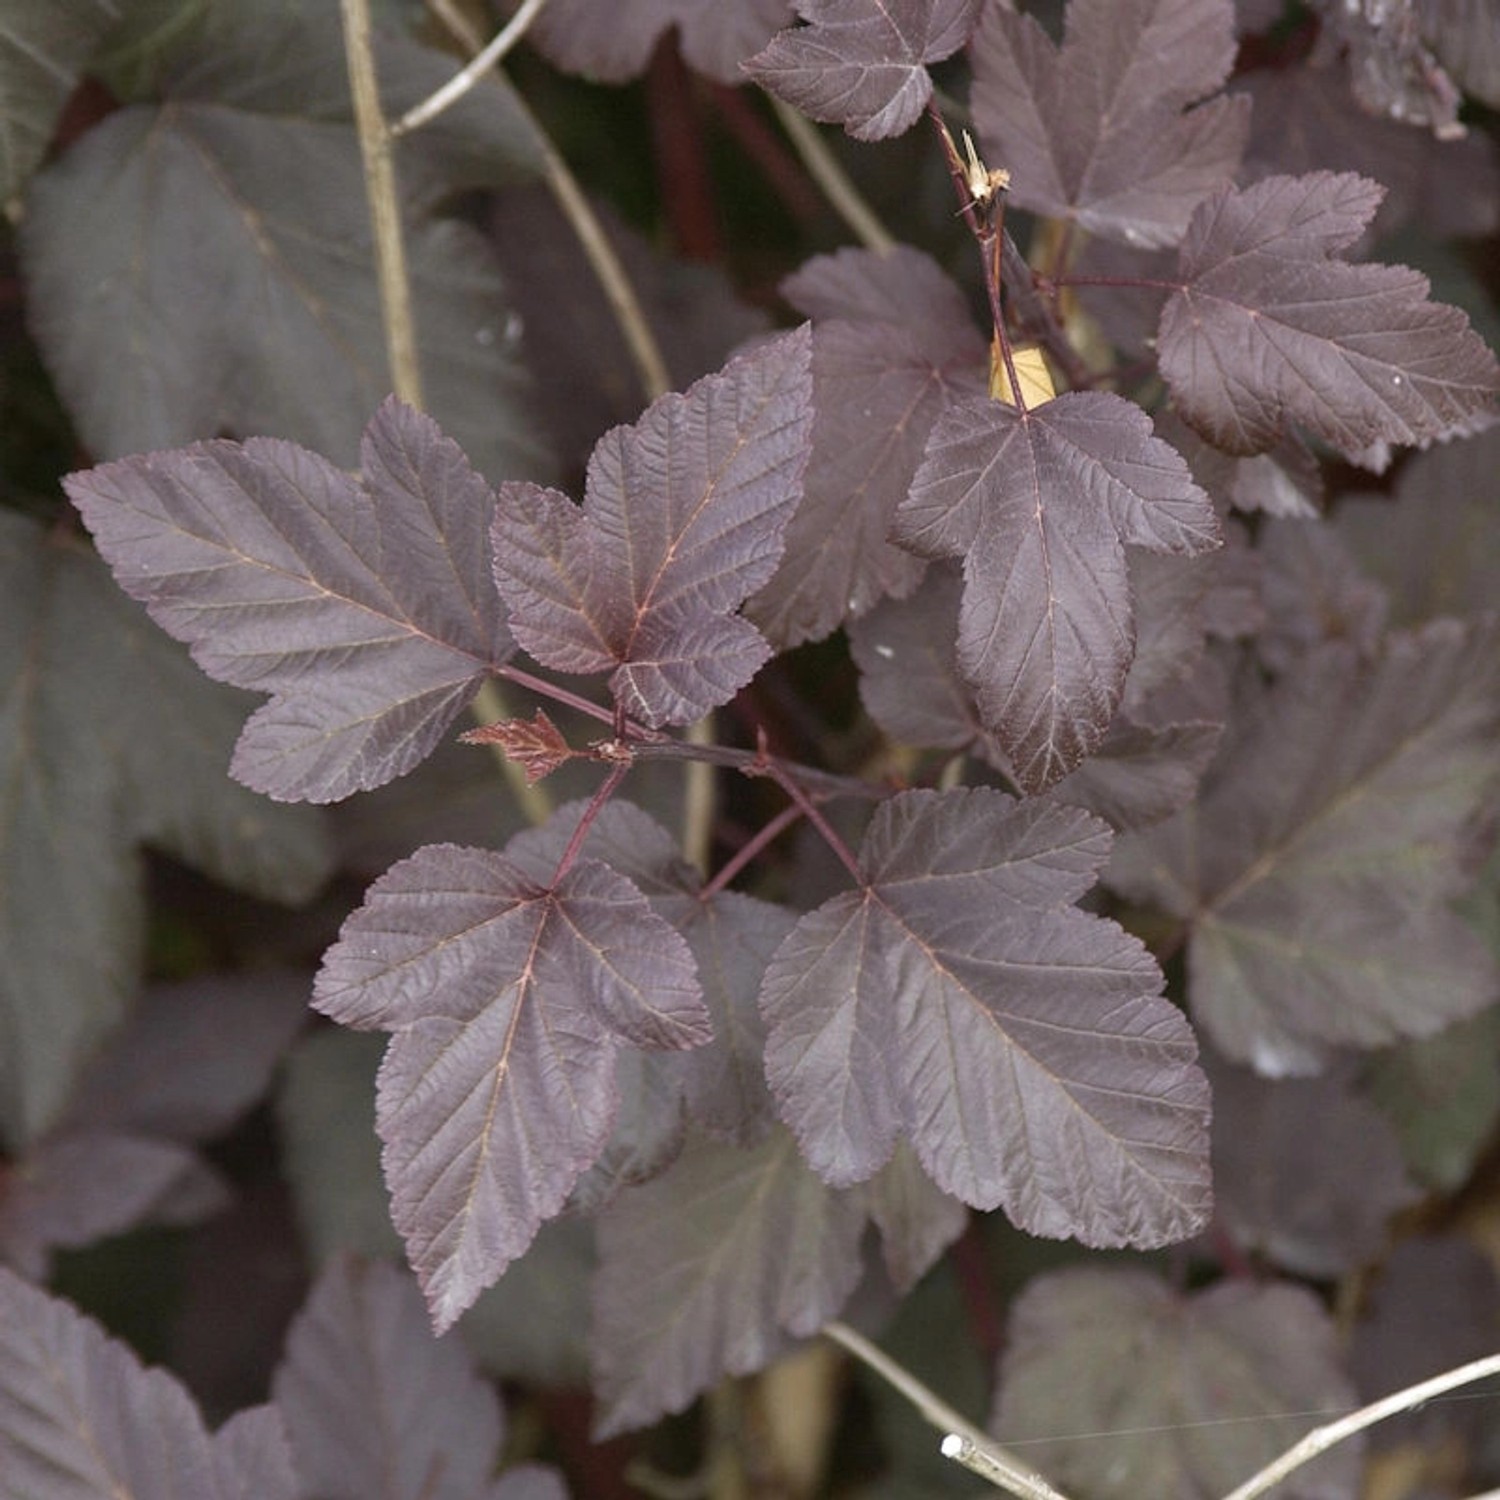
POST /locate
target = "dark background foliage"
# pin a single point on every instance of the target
(1081, 973)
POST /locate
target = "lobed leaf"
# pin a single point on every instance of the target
(893, 342)
(860, 63)
(1307, 1172)
(1098, 130)
(1039, 504)
(364, 605)
(706, 1270)
(1268, 328)
(957, 1000)
(109, 738)
(910, 685)
(82, 1419)
(732, 937)
(612, 40)
(509, 1001)
(1434, 542)
(215, 242)
(373, 1405)
(685, 517)
(82, 1186)
(1315, 872)
(1171, 1381)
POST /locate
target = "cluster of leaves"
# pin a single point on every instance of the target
(1186, 658)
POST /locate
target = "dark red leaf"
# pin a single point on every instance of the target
(83, 1186)
(373, 1404)
(709, 1269)
(509, 1001)
(1098, 130)
(1434, 543)
(1307, 1173)
(364, 606)
(705, 1271)
(1198, 1383)
(1315, 873)
(612, 40)
(1307, 120)
(859, 63)
(958, 1000)
(111, 738)
(911, 687)
(79, 1407)
(1039, 505)
(685, 517)
(1268, 328)
(732, 937)
(893, 340)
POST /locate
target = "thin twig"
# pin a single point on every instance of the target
(828, 172)
(460, 84)
(699, 799)
(963, 1442)
(1321, 1439)
(375, 145)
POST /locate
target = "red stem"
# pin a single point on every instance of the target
(788, 784)
(606, 790)
(780, 167)
(976, 1287)
(684, 184)
(752, 846)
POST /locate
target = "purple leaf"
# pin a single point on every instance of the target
(612, 40)
(1307, 1173)
(1039, 503)
(1314, 592)
(706, 1270)
(529, 1482)
(958, 1000)
(1435, 542)
(109, 738)
(685, 516)
(80, 1187)
(1305, 120)
(194, 1056)
(247, 152)
(251, 1457)
(1434, 1304)
(82, 1419)
(374, 1406)
(1098, 130)
(585, 376)
(1142, 773)
(893, 340)
(364, 606)
(1390, 67)
(911, 687)
(1314, 874)
(1170, 1381)
(916, 1219)
(1441, 1095)
(509, 1001)
(859, 63)
(732, 937)
(1268, 328)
